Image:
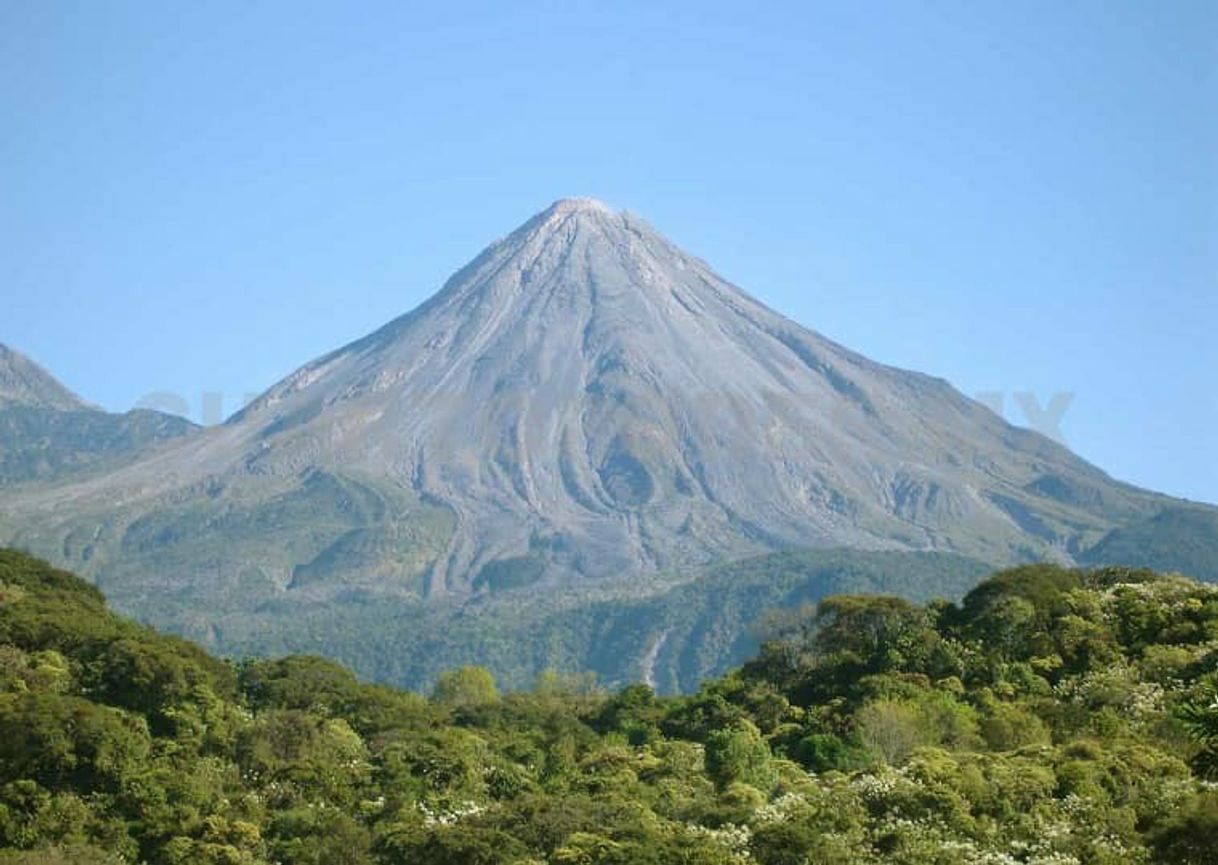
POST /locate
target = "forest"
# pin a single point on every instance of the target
(1052, 716)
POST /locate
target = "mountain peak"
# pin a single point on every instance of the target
(585, 387)
(564, 206)
(23, 382)
(588, 211)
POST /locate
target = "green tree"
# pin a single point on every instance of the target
(878, 632)
(1007, 726)
(1187, 836)
(1200, 717)
(69, 742)
(739, 754)
(890, 728)
(466, 688)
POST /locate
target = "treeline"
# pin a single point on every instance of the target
(1054, 716)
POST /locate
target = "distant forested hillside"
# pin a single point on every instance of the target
(40, 443)
(673, 636)
(1184, 540)
(1051, 716)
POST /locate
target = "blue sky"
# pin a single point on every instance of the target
(1018, 196)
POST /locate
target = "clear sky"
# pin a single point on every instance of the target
(1021, 197)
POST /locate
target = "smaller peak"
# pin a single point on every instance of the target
(23, 382)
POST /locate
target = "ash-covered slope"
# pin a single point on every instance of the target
(586, 390)
(582, 400)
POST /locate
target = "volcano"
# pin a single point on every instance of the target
(583, 404)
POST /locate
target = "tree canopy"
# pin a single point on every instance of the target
(1053, 716)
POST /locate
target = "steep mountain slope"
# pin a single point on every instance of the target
(47, 432)
(583, 404)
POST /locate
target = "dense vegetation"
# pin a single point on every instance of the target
(1053, 716)
(38, 443)
(674, 634)
(1183, 539)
